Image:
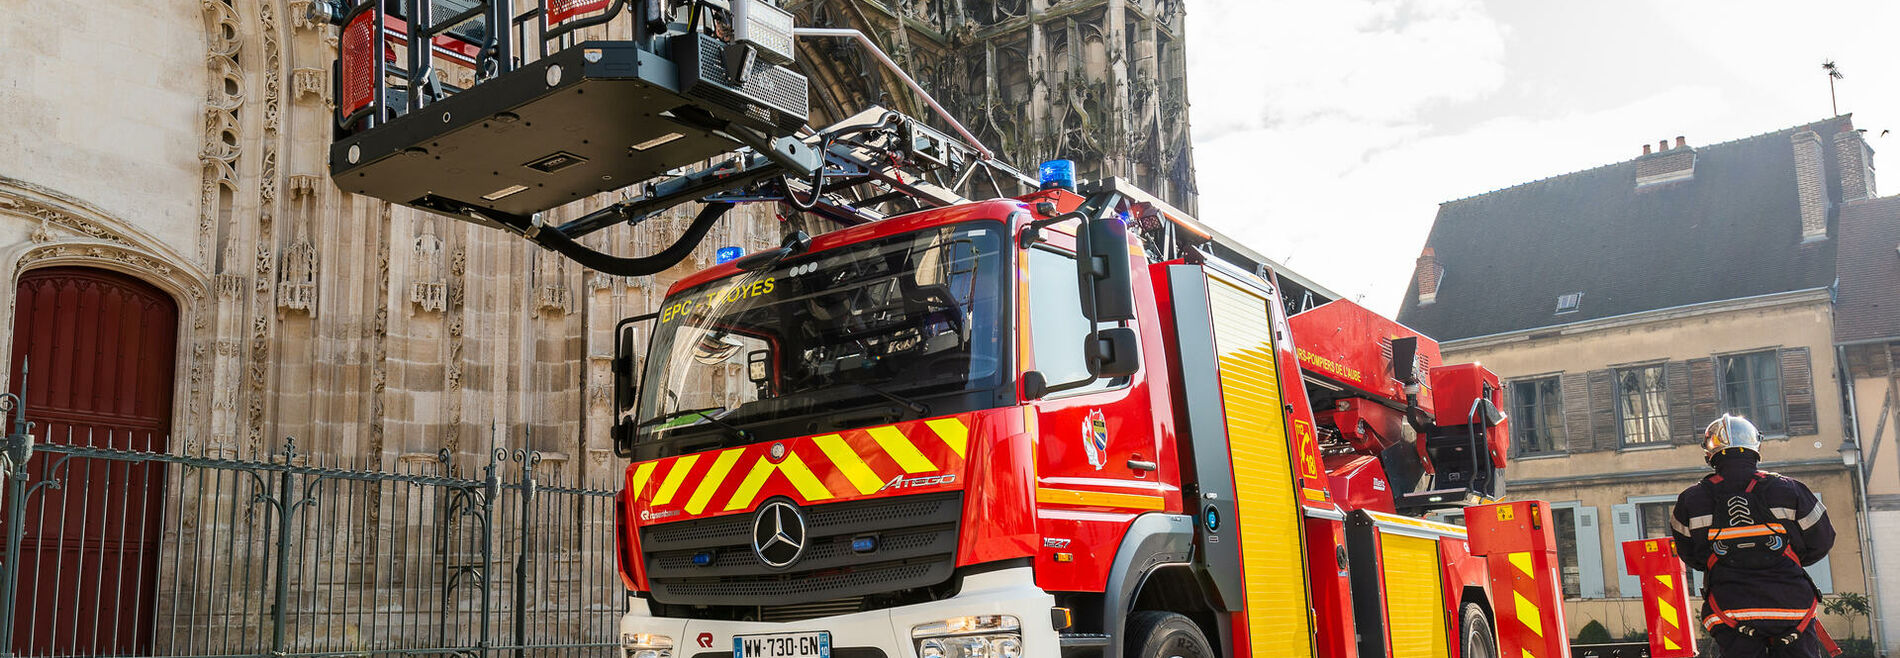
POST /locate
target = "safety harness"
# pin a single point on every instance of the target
(1744, 543)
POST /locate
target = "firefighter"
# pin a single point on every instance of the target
(1752, 532)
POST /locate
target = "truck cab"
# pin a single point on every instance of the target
(1054, 424)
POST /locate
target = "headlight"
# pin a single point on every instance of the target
(646, 645)
(978, 636)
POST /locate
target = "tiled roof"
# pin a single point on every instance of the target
(1868, 306)
(1731, 231)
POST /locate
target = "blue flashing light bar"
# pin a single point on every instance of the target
(1058, 175)
(727, 254)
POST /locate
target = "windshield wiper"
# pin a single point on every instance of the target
(738, 432)
(919, 407)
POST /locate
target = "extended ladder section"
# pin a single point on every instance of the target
(505, 115)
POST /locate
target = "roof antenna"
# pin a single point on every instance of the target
(1833, 73)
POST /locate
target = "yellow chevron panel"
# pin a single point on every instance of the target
(849, 463)
(952, 432)
(808, 484)
(1667, 611)
(1528, 613)
(901, 450)
(640, 475)
(674, 478)
(1414, 596)
(1523, 563)
(714, 478)
(749, 487)
(1274, 583)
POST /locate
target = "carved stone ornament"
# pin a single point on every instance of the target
(427, 289)
(297, 290)
(309, 84)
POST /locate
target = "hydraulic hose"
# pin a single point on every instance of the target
(640, 265)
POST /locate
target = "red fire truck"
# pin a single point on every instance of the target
(1067, 419)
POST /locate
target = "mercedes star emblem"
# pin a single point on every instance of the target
(778, 534)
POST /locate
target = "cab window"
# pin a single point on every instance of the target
(1058, 330)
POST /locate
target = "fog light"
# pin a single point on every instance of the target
(976, 636)
(646, 645)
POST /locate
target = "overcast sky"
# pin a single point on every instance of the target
(1326, 132)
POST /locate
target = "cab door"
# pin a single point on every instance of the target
(1097, 448)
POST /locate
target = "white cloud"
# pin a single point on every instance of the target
(1329, 132)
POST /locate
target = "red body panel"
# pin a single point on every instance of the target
(1665, 596)
(1358, 482)
(1455, 388)
(1331, 585)
(1520, 552)
(1350, 344)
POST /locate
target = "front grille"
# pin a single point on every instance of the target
(916, 547)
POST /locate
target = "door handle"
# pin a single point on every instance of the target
(1138, 464)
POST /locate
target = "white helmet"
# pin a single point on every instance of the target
(1730, 433)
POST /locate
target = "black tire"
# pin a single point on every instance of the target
(1477, 639)
(1157, 634)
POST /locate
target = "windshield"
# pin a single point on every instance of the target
(864, 334)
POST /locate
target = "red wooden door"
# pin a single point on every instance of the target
(97, 349)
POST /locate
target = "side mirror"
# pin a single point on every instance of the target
(626, 384)
(1108, 290)
(1115, 353)
(626, 343)
(1035, 385)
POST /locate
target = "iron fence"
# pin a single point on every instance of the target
(117, 547)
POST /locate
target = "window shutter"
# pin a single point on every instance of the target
(1682, 429)
(1590, 552)
(1797, 390)
(1623, 521)
(1603, 433)
(1576, 434)
(1704, 405)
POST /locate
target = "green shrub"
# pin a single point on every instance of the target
(1593, 633)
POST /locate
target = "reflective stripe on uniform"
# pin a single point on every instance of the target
(1700, 522)
(1814, 516)
(1678, 526)
(1757, 530)
(1783, 513)
(1757, 614)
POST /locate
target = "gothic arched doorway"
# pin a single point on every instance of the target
(93, 353)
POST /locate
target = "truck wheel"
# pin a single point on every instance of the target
(1157, 634)
(1479, 641)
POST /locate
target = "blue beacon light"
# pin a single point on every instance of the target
(1058, 174)
(726, 254)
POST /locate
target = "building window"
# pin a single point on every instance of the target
(1652, 521)
(1537, 416)
(1751, 387)
(1568, 303)
(1567, 566)
(1642, 405)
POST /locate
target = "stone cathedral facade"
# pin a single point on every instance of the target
(181, 145)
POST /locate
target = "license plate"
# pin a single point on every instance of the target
(813, 644)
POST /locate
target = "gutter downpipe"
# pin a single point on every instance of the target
(1870, 563)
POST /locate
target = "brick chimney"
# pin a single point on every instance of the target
(1428, 275)
(1666, 164)
(1810, 182)
(1856, 162)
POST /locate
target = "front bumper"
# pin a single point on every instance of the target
(1003, 592)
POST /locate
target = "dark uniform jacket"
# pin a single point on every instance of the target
(1770, 593)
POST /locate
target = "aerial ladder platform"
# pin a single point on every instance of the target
(687, 102)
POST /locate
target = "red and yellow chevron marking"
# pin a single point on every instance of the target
(909, 457)
(1665, 595)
